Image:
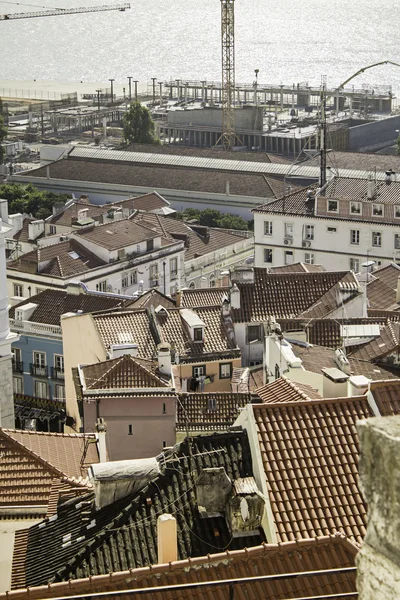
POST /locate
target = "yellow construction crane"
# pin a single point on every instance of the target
(63, 11)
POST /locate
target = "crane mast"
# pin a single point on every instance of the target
(228, 73)
(64, 11)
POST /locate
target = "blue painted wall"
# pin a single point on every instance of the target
(30, 344)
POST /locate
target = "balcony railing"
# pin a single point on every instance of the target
(39, 370)
(18, 366)
(40, 328)
(57, 373)
(153, 283)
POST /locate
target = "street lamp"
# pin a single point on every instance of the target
(130, 87)
(154, 79)
(112, 89)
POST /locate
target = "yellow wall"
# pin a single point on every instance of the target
(212, 368)
(81, 345)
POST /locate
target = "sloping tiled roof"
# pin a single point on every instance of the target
(23, 234)
(56, 260)
(209, 411)
(328, 552)
(127, 327)
(296, 203)
(382, 289)
(288, 295)
(149, 202)
(120, 234)
(123, 535)
(298, 268)
(285, 390)
(151, 298)
(70, 214)
(203, 297)
(54, 303)
(386, 343)
(387, 396)
(33, 461)
(120, 373)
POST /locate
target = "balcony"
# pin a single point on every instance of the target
(154, 283)
(173, 275)
(39, 370)
(17, 366)
(57, 373)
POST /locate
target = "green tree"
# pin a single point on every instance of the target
(138, 125)
(233, 222)
(28, 199)
(3, 132)
(210, 217)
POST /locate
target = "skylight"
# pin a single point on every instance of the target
(73, 254)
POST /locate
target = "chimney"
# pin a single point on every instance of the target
(164, 359)
(203, 282)
(101, 428)
(4, 210)
(35, 229)
(74, 287)
(358, 385)
(371, 189)
(334, 384)
(118, 350)
(178, 299)
(235, 296)
(226, 306)
(167, 540)
(225, 279)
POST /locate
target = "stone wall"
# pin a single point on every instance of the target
(6, 393)
(378, 562)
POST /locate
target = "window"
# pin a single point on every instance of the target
(212, 403)
(309, 258)
(125, 281)
(377, 239)
(253, 333)
(267, 227)
(354, 236)
(331, 229)
(101, 286)
(60, 392)
(332, 206)
(153, 275)
(41, 389)
(289, 230)
(289, 257)
(39, 359)
(198, 371)
(18, 290)
(17, 354)
(277, 372)
(130, 430)
(268, 255)
(38, 290)
(53, 229)
(133, 277)
(17, 385)
(198, 334)
(308, 232)
(225, 370)
(59, 362)
(397, 212)
(355, 265)
(173, 268)
(121, 254)
(149, 245)
(355, 208)
(164, 408)
(397, 241)
(377, 210)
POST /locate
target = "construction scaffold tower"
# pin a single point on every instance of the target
(228, 73)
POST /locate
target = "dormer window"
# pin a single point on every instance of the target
(333, 206)
(377, 210)
(198, 334)
(355, 208)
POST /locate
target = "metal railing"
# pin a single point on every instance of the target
(57, 373)
(39, 370)
(17, 366)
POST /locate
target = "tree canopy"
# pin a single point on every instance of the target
(138, 125)
(3, 132)
(28, 199)
(211, 217)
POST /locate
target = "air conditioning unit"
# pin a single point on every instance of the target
(288, 241)
(306, 244)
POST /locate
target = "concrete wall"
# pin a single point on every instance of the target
(82, 345)
(6, 393)
(247, 117)
(374, 135)
(212, 368)
(7, 536)
(378, 563)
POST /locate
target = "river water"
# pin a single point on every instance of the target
(287, 40)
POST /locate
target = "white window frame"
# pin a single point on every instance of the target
(18, 385)
(225, 370)
(125, 281)
(18, 290)
(173, 268)
(353, 209)
(355, 265)
(309, 258)
(397, 211)
(133, 277)
(397, 241)
(332, 203)
(101, 286)
(59, 362)
(198, 371)
(57, 388)
(17, 354)
(355, 237)
(53, 229)
(41, 387)
(270, 253)
(379, 208)
(289, 230)
(377, 239)
(254, 339)
(37, 358)
(289, 257)
(309, 232)
(268, 227)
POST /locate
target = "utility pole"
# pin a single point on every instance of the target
(130, 87)
(154, 79)
(135, 81)
(98, 99)
(112, 89)
(322, 137)
(161, 98)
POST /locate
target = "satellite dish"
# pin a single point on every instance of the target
(244, 509)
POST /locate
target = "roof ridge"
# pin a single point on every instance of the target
(391, 329)
(311, 402)
(128, 359)
(295, 387)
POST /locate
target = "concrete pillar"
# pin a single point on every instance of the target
(167, 541)
(281, 94)
(378, 563)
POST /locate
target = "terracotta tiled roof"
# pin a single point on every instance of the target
(120, 234)
(296, 203)
(23, 234)
(149, 202)
(359, 161)
(356, 189)
(70, 214)
(310, 454)
(127, 327)
(285, 390)
(209, 411)
(387, 396)
(203, 297)
(382, 289)
(32, 462)
(151, 298)
(54, 303)
(288, 295)
(298, 268)
(386, 343)
(247, 379)
(123, 534)
(328, 552)
(124, 372)
(56, 259)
